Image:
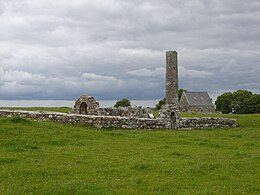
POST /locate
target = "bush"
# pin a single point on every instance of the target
(160, 103)
(122, 103)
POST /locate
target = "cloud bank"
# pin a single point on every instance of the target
(115, 49)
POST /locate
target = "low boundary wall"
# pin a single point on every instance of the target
(120, 122)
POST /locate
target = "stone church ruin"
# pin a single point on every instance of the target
(89, 106)
(86, 105)
(169, 117)
(88, 112)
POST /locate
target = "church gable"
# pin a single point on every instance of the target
(198, 102)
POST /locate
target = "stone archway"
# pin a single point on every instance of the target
(83, 108)
(86, 105)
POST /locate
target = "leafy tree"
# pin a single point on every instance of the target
(160, 103)
(122, 103)
(241, 101)
(223, 102)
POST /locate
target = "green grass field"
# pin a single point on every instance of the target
(50, 109)
(52, 158)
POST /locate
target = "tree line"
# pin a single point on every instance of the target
(240, 102)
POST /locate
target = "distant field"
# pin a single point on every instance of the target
(184, 114)
(51, 109)
(53, 158)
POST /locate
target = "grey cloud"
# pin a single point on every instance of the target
(111, 49)
(144, 72)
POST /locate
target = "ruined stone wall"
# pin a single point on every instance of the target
(92, 120)
(198, 109)
(125, 111)
(121, 122)
(206, 123)
(86, 105)
(201, 109)
(183, 104)
(89, 106)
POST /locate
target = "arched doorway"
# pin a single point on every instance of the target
(86, 105)
(83, 108)
(173, 120)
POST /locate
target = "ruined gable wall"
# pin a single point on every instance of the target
(201, 109)
(183, 104)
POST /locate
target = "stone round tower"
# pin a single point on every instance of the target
(170, 110)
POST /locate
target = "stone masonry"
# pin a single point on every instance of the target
(171, 77)
(170, 111)
(120, 122)
(89, 106)
(86, 105)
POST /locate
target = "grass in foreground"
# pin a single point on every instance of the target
(52, 158)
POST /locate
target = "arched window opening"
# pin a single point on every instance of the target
(83, 108)
(173, 121)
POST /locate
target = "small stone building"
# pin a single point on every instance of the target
(86, 105)
(197, 102)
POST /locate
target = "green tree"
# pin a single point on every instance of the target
(223, 102)
(122, 103)
(240, 101)
(254, 103)
(160, 103)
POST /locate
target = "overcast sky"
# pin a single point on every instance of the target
(113, 49)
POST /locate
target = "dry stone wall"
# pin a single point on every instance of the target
(120, 122)
(125, 111)
(206, 123)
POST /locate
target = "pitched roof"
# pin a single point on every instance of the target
(198, 98)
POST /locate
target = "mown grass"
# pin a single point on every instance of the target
(50, 109)
(52, 158)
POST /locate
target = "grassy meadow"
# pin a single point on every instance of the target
(52, 158)
(48, 109)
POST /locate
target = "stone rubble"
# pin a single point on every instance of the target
(120, 122)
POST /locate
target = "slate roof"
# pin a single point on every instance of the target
(198, 98)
